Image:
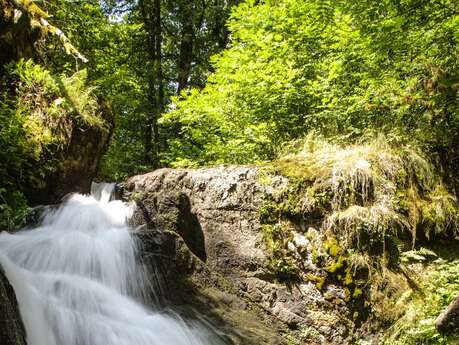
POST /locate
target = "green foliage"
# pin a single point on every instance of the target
(51, 98)
(438, 286)
(115, 39)
(13, 209)
(341, 68)
(417, 255)
(37, 113)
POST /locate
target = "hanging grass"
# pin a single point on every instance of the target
(352, 215)
(373, 188)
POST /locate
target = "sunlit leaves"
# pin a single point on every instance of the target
(342, 68)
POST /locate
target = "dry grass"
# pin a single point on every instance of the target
(375, 188)
(361, 208)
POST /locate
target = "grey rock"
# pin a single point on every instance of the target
(212, 253)
(11, 328)
(448, 320)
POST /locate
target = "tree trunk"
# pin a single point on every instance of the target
(186, 44)
(151, 12)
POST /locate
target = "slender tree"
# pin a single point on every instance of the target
(187, 12)
(151, 14)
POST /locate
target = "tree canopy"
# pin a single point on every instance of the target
(341, 69)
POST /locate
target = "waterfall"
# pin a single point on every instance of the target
(78, 280)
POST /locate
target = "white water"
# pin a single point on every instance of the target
(78, 282)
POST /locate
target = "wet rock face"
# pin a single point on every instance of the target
(448, 321)
(11, 328)
(203, 227)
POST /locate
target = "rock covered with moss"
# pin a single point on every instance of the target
(215, 213)
(359, 212)
(319, 243)
(53, 132)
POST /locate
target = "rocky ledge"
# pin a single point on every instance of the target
(201, 228)
(11, 328)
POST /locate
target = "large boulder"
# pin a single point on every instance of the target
(57, 147)
(448, 320)
(201, 227)
(11, 328)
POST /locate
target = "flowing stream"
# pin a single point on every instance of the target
(78, 280)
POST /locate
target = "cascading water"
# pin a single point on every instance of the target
(78, 282)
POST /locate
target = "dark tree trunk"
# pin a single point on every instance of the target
(151, 12)
(186, 44)
(220, 29)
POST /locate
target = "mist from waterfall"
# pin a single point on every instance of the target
(78, 280)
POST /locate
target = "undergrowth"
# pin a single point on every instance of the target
(436, 285)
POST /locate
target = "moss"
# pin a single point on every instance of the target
(265, 177)
(278, 216)
(312, 234)
(318, 280)
(331, 246)
(292, 168)
(268, 212)
(335, 265)
(315, 256)
(357, 293)
(281, 261)
(136, 196)
(329, 296)
(310, 334)
(347, 294)
(289, 338)
(348, 278)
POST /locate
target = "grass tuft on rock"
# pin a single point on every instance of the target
(351, 215)
(373, 188)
